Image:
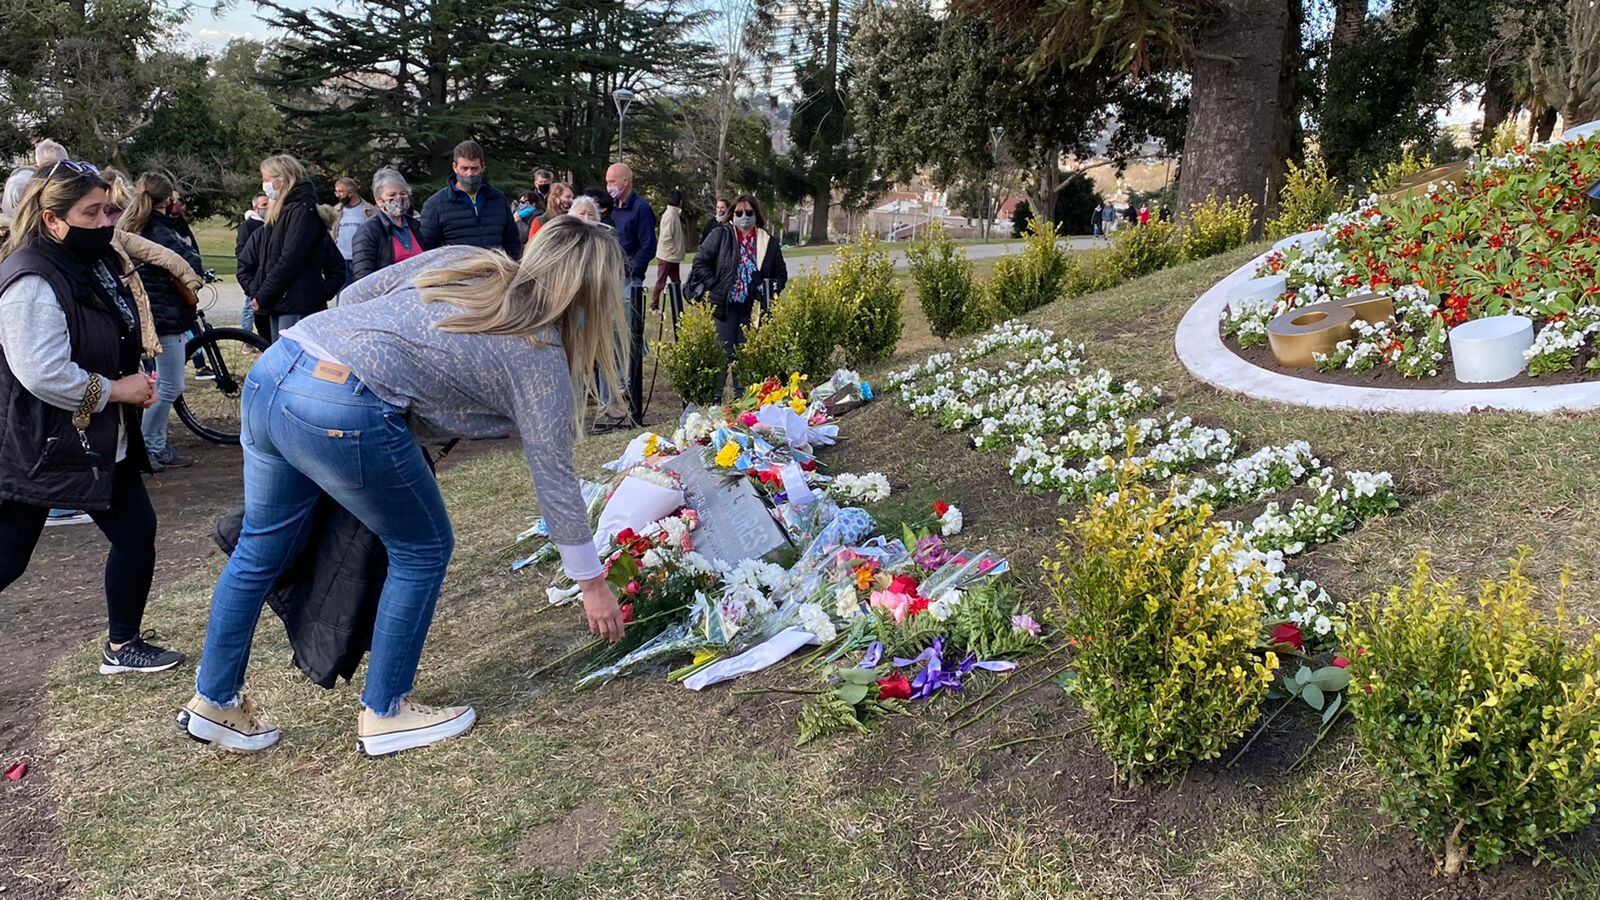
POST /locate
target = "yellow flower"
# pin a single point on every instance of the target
(704, 656)
(798, 405)
(728, 455)
(653, 445)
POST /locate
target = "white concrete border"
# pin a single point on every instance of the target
(1200, 349)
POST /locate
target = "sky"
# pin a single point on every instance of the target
(207, 28)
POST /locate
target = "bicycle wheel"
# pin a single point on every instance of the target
(211, 408)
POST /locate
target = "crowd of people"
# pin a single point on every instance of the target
(388, 326)
(1108, 216)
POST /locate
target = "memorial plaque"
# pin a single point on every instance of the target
(735, 523)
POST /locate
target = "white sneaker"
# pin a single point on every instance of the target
(237, 728)
(414, 725)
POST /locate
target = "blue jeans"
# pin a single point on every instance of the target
(304, 436)
(169, 387)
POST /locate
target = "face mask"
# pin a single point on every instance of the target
(88, 244)
(270, 189)
(615, 192)
(469, 183)
(396, 207)
(722, 216)
(744, 220)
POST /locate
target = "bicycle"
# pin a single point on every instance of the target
(209, 405)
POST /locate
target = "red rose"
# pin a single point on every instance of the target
(940, 508)
(894, 687)
(903, 584)
(1340, 661)
(627, 613)
(1288, 634)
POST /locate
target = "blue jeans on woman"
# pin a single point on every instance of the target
(169, 387)
(305, 431)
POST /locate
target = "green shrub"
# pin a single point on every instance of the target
(1482, 718)
(1089, 272)
(1138, 250)
(1309, 196)
(1025, 281)
(983, 311)
(862, 280)
(1213, 226)
(1165, 629)
(802, 334)
(695, 362)
(1387, 177)
(943, 276)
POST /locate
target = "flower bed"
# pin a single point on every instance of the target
(1515, 237)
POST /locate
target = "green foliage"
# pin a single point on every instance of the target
(1028, 280)
(981, 623)
(1308, 197)
(1087, 273)
(1075, 206)
(1138, 250)
(1388, 176)
(695, 362)
(802, 334)
(1505, 139)
(1166, 631)
(1213, 226)
(983, 311)
(943, 276)
(863, 282)
(847, 707)
(1481, 718)
(1021, 216)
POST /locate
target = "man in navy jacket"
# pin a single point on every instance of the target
(469, 210)
(634, 221)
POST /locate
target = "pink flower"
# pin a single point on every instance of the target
(748, 420)
(1340, 661)
(896, 603)
(1025, 623)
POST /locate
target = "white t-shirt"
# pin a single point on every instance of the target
(351, 218)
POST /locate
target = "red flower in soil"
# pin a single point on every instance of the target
(940, 508)
(627, 613)
(1340, 661)
(1288, 634)
(894, 687)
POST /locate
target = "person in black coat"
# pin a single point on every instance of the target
(149, 216)
(734, 265)
(469, 210)
(718, 218)
(394, 234)
(290, 280)
(333, 280)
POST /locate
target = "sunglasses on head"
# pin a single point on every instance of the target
(78, 168)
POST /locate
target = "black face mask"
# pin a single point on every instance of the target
(88, 244)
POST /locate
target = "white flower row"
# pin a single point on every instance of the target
(869, 488)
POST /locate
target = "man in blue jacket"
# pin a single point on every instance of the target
(470, 211)
(634, 221)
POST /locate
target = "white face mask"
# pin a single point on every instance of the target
(270, 189)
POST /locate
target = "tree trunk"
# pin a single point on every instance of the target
(1347, 18)
(821, 201)
(1498, 90)
(1231, 139)
(1286, 136)
(1543, 124)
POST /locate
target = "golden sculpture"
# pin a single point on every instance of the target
(1298, 335)
(1449, 173)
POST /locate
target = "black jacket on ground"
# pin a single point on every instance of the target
(42, 458)
(450, 218)
(373, 248)
(170, 313)
(289, 272)
(328, 597)
(716, 264)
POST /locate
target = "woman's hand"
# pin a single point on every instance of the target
(601, 609)
(134, 390)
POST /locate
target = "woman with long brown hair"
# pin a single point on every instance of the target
(71, 389)
(148, 215)
(456, 342)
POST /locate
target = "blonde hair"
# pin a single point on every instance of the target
(151, 191)
(58, 194)
(289, 169)
(570, 278)
(330, 218)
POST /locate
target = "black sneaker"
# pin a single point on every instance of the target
(138, 655)
(169, 459)
(204, 373)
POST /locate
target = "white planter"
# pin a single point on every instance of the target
(1257, 292)
(1581, 131)
(1308, 240)
(1487, 350)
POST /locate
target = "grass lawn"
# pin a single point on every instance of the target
(641, 789)
(216, 238)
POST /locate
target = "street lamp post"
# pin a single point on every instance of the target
(622, 97)
(996, 132)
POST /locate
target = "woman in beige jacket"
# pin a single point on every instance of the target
(671, 246)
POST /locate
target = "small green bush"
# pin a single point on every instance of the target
(1166, 631)
(943, 276)
(1025, 281)
(1139, 250)
(695, 362)
(1387, 177)
(1213, 226)
(1481, 718)
(802, 334)
(863, 282)
(1309, 196)
(1089, 272)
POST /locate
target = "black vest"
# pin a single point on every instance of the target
(42, 458)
